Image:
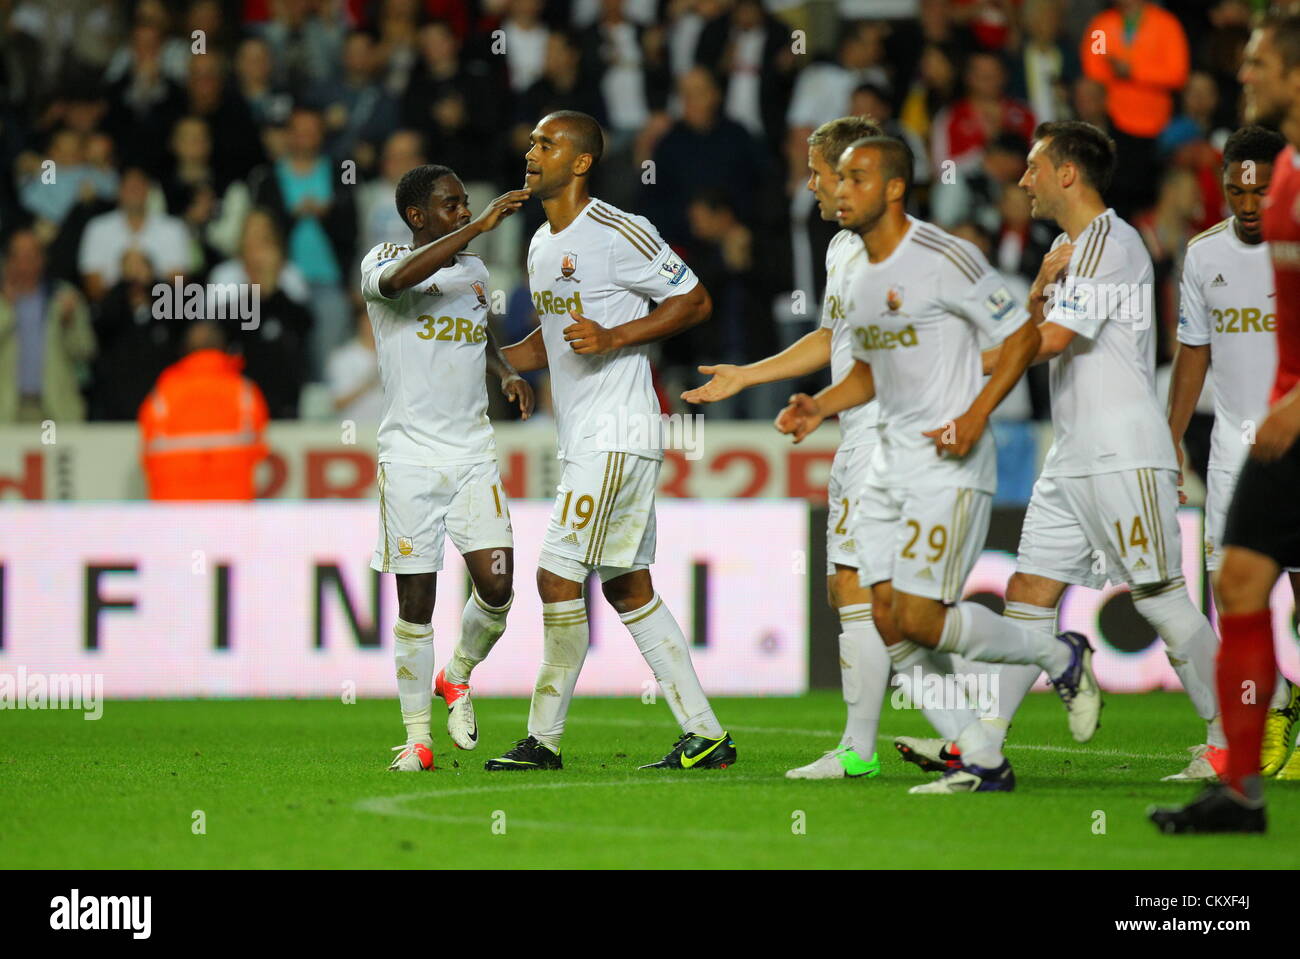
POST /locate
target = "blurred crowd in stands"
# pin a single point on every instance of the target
(259, 141)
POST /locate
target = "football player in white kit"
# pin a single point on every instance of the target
(593, 271)
(1105, 506)
(864, 664)
(428, 306)
(917, 307)
(1228, 318)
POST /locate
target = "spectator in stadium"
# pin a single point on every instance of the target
(49, 193)
(962, 130)
(1045, 66)
(722, 254)
(201, 426)
(1165, 229)
(630, 83)
(932, 90)
(702, 150)
(750, 51)
(398, 25)
(267, 104)
(133, 224)
(211, 97)
(317, 215)
(562, 86)
(352, 376)
(822, 91)
(1088, 98)
(444, 82)
(214, 217)
(376, 210)
(134, 345)
(358, 114)
(275, 351)
(1138, 51)
(259, 229)
(1199, 117)
(46, 339)
(974, 193)
(305, 46)
(525, 43)
(144, 102)
(174, 52)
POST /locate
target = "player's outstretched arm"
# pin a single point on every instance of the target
(808, 354)
(959, 437)
(528, 354)
(432, 257)
(514, 386)
(805, 413)
(1280, 429)
(674, 315)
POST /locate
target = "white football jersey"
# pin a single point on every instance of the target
(430, 341)
(917, 317)
(843, 257)
(1105, 414)
(608, 266)
(1227, 300)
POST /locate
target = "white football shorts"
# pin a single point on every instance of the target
(925, 541)
(604, 515)
(419, 505)
(1119, 527)
(848, 471)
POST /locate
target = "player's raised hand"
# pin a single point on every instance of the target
(727, 381)
(500, 208)
(1052, 269)
(800, 417)
(958, 437)
(518, 390)
(587, 337)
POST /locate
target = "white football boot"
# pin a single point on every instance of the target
(462, 727)
(412, 758)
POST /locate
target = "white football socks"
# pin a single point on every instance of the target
(413, 655)
(1013, 681)
(664, 647)
(565, 638)
(1190, 644)
(481, 626)
(912, 662)
(976, 632)
(864, 678)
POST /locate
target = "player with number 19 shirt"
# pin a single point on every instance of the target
(596, 274)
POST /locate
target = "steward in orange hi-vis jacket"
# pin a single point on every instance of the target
(201, 426)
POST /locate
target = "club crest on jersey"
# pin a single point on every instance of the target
(568, 266)
(481, 292)
(894, 299)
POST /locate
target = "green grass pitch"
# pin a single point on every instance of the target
(304, 784)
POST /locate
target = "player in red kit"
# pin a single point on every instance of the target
(1263, 527)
